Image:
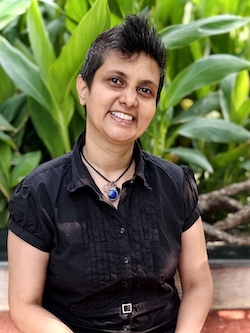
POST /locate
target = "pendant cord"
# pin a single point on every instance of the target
(110, 182)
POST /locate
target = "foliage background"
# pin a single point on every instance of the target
(202, 118)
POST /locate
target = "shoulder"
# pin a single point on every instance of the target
(162, 166)
(50, 171)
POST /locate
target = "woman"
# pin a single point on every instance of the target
(96, 236)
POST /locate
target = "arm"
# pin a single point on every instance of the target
(27, 274)
(197, 286)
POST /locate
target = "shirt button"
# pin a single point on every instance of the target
(126, 259)
(122, 230)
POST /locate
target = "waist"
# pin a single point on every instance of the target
(128, 308)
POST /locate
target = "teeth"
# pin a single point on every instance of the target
(122, 115)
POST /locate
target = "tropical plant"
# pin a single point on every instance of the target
(203, 115)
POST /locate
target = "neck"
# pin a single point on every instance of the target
(108, 158)
(109, 166)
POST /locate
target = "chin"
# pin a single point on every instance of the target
(122, 138)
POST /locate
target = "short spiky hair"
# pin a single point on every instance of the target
(131, 37)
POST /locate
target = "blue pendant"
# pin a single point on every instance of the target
(113, 193)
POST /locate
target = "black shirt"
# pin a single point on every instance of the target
(110, 270)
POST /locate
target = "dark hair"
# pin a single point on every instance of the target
(131, 37)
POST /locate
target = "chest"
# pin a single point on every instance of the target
(101, 245)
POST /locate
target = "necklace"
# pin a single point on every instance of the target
(111, 189)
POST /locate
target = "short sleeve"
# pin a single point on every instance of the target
(27, 220)
(191, 208)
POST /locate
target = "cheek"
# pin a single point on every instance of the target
(150, 113)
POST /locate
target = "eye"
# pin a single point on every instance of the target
(145, 91)
(115, 81)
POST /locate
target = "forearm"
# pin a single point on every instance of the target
(33, 318)
(194, 308)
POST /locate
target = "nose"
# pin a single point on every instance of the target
(129, 97)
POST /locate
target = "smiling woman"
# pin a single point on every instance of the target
(97, 235)
(126, 102)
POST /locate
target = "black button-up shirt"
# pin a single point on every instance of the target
(102, 259)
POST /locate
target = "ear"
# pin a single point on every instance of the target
(82, 90)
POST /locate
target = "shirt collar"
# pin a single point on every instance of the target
(81, 176)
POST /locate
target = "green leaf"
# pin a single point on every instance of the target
(214, 130)
(127, 7)
(75, 11)
(5, 125)
(24, 164)
(225, 93)
(47, 128)
(199, 108)
(191, 157)
(66, 68)
(203, 72)
(241, 116)
(7, 87)
(4, 187)
(4, 214)
(39, 40)
(23, 72)
(241, 90)
(10, 9)
(163, 11)
(181, 35)
(246, 165)
(5, 160)
(10, 109)
(7, 139)
(234, 155)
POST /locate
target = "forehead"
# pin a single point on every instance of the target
(136, 64)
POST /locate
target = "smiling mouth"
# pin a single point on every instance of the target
(122, 115)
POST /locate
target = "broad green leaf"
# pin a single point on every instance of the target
(7, 87)
(24, 49)
(4, 215)
(10, 9)
(203, 72)
(242, 115)
(54, 5)
(75, 11)
(225, 95)
(23, 72)
(199, 108)
(39, 40)
(214, 130)
(241, 90)
(128, 7)
(24, 164)
(5, 160)
(209, 8)
(5, 125)
(246, 165)
(181, 35)
(191, 157)
(231, 156)
(163, 11)
(65, 69)
(47, 128)
(7, 139)
(11, 107)
(4, 187)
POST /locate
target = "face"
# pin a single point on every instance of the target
(122, 100)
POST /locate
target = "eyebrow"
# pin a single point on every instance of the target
(150, 82)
